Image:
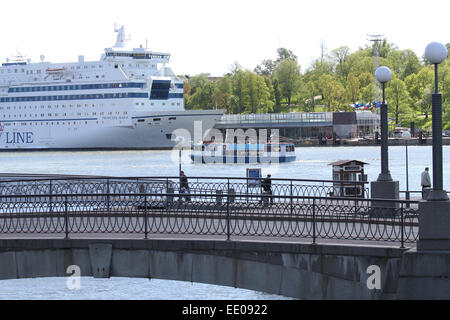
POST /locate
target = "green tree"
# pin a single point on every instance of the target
(284, 54)
(333, 93)
(202, 98)
(416, 85)
(277, 94)
(397, 96)
(256, 95)
(265, 68)
(353, 88)
(411, 64)
(237, 100)
(344, 62)
(198, 96)
(288, 75)
(222, 94)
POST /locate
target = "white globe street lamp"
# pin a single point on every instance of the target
(383, 75)
(436, 53)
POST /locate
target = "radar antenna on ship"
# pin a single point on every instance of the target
(121, 38)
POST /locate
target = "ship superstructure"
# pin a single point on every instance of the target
(129, 99)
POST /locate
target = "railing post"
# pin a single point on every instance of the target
(145, 218)
(292, 209)
(314, 221)
(50, 197)
(228, 211)
(66, 218)
(407, 197)
(107, 195)
(402, 227)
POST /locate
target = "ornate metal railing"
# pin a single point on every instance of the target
(228, 215)
(201, 185)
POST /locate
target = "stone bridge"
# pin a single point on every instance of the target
(299, 270)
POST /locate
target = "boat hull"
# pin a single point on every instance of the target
(236, 160)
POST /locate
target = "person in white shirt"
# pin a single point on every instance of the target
(425, 181)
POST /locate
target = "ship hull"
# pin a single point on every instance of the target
(145, 130)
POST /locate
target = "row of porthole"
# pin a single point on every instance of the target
(51, 123)
(62, 115)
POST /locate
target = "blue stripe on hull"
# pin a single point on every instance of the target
(242, 160)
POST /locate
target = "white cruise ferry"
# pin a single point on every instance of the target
(129, 99)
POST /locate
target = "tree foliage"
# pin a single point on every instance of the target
(331, 82)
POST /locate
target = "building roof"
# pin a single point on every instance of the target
(344, 162)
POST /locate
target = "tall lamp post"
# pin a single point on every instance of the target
(180, 141)
(436, 53)
(434, 222)
(384, 187)
(383, 75)
(406, 136)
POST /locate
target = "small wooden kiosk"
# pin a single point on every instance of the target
(349, 176)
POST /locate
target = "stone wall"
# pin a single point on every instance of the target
(303, 271)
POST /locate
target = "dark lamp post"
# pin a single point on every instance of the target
(406, 135)
(180, 141)
(383, 75)
(436, 53)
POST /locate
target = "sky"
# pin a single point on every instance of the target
(207, 36)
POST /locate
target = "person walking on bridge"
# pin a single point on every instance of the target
(266, 185)
(184, 186)
(425, 181)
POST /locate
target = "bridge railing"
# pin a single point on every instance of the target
(201, 185)
(205, 214)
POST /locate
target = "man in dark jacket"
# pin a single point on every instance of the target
(266, 185)
(184, 186)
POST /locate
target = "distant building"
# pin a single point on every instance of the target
(296, 125)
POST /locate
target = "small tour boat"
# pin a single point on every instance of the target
(242, 153)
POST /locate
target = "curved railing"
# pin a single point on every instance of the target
(228, 215)
(202, 185)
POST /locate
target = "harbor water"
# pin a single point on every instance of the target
(311, 163)
(56, 288)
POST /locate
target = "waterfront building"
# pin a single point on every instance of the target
(301, 125)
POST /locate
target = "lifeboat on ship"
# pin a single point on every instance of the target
(55, 70)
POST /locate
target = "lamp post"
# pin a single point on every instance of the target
(180, 141)
(436, 53)
(384, 187)
(383, 75)
(406, 135)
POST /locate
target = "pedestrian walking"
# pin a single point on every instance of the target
(425, 182)
(184, 186)
(266, 185)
